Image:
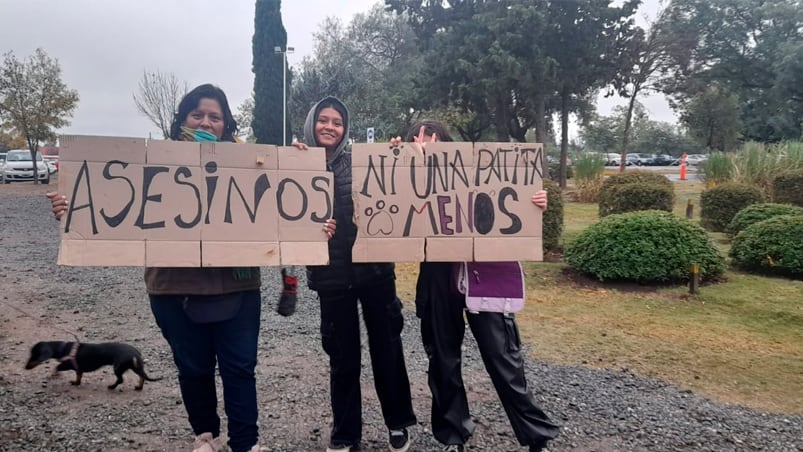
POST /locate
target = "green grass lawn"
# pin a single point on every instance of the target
(738, 341)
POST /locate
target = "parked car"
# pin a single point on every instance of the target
(696, 159)
(663, 160)
(19, 167)
(52, 162)
(614, 158)
(640, 159)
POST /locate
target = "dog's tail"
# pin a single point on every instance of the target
(139, 369)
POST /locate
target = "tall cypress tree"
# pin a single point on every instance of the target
(268, 66)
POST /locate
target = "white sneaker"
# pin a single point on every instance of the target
(206, 443)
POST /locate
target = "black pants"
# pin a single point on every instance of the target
(442, 329)
(340, 334)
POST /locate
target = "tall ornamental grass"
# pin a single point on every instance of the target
(588, 171)
(754, 164)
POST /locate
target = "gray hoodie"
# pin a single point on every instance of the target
(341, 273)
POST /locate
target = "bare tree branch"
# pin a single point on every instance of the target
(158, 97)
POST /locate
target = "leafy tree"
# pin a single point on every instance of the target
(244, 118)
(9, 139)
(268, 68)
(34, 101)
(588, 42)
(368, 63)
(713, 118)
(498, 78)
(752, 49)
(644, 59)
(158, 98)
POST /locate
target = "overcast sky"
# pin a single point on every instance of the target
(103, 47)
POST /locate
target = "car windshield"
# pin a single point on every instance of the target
(22, 156)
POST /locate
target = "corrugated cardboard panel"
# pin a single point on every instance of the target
(78, 148)
(305, 253)
(160, 253)
(239, 254)
(101, 253)
(453, 249)
(508, 249)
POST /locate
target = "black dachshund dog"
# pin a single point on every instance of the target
(82, 358)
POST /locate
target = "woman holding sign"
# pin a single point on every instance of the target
(441, 307)
(209, 316)
(340, 286)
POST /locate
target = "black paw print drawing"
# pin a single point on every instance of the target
(379, 220)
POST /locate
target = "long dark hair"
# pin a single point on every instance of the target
(190, 102)
(431, 127)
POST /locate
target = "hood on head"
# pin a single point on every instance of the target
(309, 124)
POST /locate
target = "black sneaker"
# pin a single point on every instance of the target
(399, 440)
(453, 448)
(340, 448)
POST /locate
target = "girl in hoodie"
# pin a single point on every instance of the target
(340, 286)
(441, 309)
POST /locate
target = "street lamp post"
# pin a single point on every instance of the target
(278, 50)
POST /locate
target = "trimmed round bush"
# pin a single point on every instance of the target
(788, 188)
(646, 246)
(636, 177)
(614, 199)
(773, 246)
(553, 216)
(632, 197)
(760, 212)
(720, 204)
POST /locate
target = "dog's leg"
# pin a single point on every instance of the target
(78, 376)
(140, 385)
(118, 371)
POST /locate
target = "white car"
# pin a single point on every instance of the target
(19, 167)
(52, 163)
(696, 159)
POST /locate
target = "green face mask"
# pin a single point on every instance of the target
(197, 134)
(203, 135)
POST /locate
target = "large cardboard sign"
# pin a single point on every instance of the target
(137, 202)
(451, 202)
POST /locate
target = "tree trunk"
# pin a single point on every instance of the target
(540, 119)
(626, 135)
(34, 149)
(500, 120)
(540, 130)
(564, 136)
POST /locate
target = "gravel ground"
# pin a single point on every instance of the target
(600, 410)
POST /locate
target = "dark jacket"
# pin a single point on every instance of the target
(342, 273)
(201, 281)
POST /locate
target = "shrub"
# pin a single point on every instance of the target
(553, 216)
(720, 204)
(636, 177)
(771, 246)
(760, 212)
(788, 188)
(554, 171)
(613, 200)
(645, 246)
(632, 197)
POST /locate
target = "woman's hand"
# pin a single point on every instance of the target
(329, 227)
(540, 199)
(299, 145)
(58, 204)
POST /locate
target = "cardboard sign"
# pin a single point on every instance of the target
(452, 202)
(157, 203)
